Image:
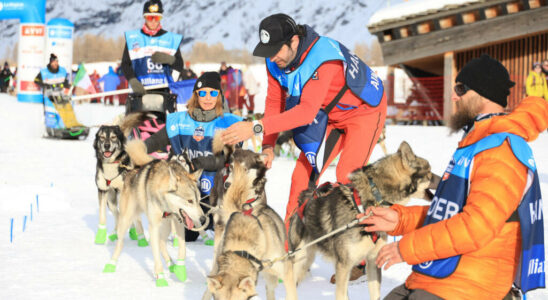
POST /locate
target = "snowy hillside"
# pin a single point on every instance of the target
(233, 23)
(54, 257)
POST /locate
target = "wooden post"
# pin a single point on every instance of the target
(449, 74)
(390, 85)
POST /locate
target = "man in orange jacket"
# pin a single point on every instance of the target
(484, 228)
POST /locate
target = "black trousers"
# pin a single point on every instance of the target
(401, 293)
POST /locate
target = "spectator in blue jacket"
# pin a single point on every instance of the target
(110, 80)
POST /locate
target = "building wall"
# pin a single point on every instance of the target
(516, 55)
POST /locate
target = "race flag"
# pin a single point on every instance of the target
(82, 80)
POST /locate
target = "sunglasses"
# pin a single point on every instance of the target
(461, 89)
(153, 18)
(212, 93)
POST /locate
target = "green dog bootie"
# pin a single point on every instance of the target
(209, 242)
(133, 234)
(161, 280)
(113, 237)
(101, 235)
(179, 269)
(175, 242)
(142, 242)
(110, 267)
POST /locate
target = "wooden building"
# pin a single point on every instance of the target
(432, 40)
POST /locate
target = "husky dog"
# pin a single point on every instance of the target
(163, 190)
(393, 179)
(112, 166)
(247, 232)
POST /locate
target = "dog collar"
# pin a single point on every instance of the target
(248, 206)
(251, 258)
(376, 192)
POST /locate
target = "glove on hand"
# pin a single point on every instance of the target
(137, 86)
(162, 58)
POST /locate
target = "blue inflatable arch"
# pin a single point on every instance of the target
(32, 16)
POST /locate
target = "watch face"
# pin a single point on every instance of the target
(258, 128)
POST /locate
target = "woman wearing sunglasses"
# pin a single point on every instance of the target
(193, 130)
(141, 68)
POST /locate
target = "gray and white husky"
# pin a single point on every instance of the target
(247, 233)
(164, 191)
(393, 179)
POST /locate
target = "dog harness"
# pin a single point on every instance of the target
(251, 258)
(325, 189)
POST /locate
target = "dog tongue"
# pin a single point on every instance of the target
(188, 221)
(107, 154)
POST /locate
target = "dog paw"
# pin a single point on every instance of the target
(175, 242)
(161, 280)
(142, 242)
(179, 271)
(113, 237)
(133, 234)
(101, 236)
(209, 242)
(109, 268)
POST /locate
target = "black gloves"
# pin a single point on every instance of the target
(162, 58)
(137, 86)
(209, 163)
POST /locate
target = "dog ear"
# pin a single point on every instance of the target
(214, 283)
(196, 175)
(172, 186)
(246, 284)
(406, 153)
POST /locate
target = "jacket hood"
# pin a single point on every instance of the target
(527, 120)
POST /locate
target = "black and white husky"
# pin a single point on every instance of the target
(112, 166)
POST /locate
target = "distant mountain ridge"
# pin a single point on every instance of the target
(232, 23)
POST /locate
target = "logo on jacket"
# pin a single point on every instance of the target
(198, 134)
(425, 265)
(315, 76)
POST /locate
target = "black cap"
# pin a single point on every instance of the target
(208, 79)
(153, 8)
(52, 57)
(487, 77)
(274, 31)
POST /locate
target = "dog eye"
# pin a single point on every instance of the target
(113, 138)
(227, 185)
(102, 138)
(190, 201)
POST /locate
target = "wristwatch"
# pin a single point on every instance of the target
(257, 127)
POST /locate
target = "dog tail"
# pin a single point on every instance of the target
(219, 147)
(137, 151)
(131, 121)
(217, 144)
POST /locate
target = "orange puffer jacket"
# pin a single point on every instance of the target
(490, 247)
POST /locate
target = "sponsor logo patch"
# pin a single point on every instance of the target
(198, 134)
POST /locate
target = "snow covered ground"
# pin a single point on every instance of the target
(55, 256)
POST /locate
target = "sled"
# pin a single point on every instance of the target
(60, 120)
